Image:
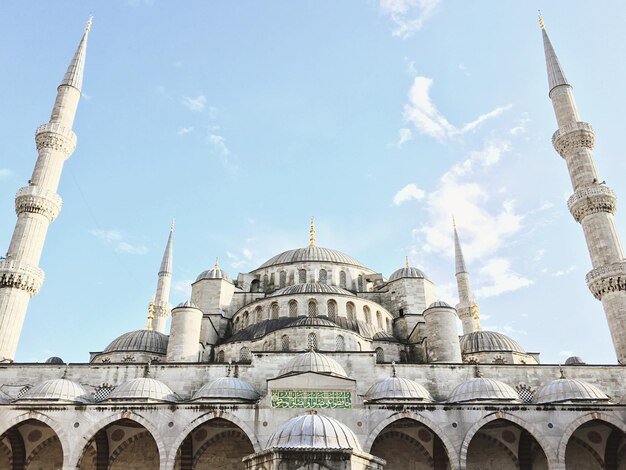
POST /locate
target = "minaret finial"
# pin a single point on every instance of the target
(228, 369)
(217, 263)
(172, 225)
(458, 252)
(393, 368)
(406, 262)
(312, 233)
(542, 25)
(88, 26)
(151, 309)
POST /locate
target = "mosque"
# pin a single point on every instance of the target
(312, 360)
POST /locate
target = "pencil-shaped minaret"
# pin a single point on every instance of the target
(37, 205)
(466, 309)
(161, 303)
(592, 204)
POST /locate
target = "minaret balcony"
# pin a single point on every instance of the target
(56, 136)
(18, 275)
(605, 279)
(573, 136)
(38, 200)
(591, 200)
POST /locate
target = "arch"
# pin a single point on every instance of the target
(342, 279)
(380, 355)
(529, 428)
(285, 343)
(127, 443)
(274, 309)
(282, 279)
(246, 319)
(258, 314)
(350, 309)
(236, 325)
(368, 314)
(301, 276)
(255, 286)
(379, 320)
(395, 437)
(322, 276)
(220, 356)
(293, 308)
(331, 310)
(311, 342)
(312, 310)
(340, 343)
(219, 439)
(244, 354)
(423, 420)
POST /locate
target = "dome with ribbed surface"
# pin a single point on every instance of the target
(57, 390)
(231, 388)
(407, 272)
(145, 389)
(313, 361)
(140, 340)
(312, 321)
(482, 389)
(311, 253)
(314, 431)
(396, 388)
(215, 273)
(574, 361)
(485, 341)
(311, 288)
(187, 304)
(569, 390)
(440, 304)
(54, 360)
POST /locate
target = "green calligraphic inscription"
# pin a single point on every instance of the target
(310, 399)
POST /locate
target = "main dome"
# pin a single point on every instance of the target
(314, 431)
(311, 253)
(140, 340)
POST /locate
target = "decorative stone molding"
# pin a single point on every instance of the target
(38, 200)
(56, 137)
(21, 276)
(591, 200)
(573, 136)
(605, 279)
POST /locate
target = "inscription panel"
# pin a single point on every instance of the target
(311, 399)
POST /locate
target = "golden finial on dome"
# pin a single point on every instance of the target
(151, 310)
(312, 233)
(89, 21)
(542, 25)
(217, 263)
(406, 262)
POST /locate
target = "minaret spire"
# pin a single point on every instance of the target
(592, 204)
(37, 205)
(161, 305)
(467, 310)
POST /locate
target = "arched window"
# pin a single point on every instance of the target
(266, 282)
(312, 308)
(274, 311)
(379, 320)
(255, 286)
(220, 356)
(245, 319)
(283, 279)
(311, 342)
(272, 281)
(244, 355)
(285, 342)
(302, 276)
(236, 327)
(332, 310)
(266, 346)
(342, 279)
(293, 308)
(388, 325)
(380, 355)
(258, 314)
(323, 276)
(350, 311)
(359, 283)
(368, 314)
(340, 343)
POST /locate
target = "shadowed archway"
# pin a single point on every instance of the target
(596, 445)
(29, 445)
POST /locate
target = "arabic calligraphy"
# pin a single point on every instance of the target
(311, 399)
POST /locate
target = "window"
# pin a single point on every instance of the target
(350, 311)
(380, 355)
(323, 276)
(274, 311)
(255, 286)
(342, 279)
(285, 342)
(332, 310)
(245, 319)
(302, 276)
(311, 342)
(102, 392)
(312, 308)
(272, 281)
(525, 393)
(388, 325)
(340, 343)
(220, 356)
(359, 283)
(368, 314)
(258, 314)
(379, 320)
(283, 279)
(293, 308)
(244, 355)
(266, 282)
(236, 327)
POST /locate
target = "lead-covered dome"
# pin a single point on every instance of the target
(485, 341)
(311, 253)
(314, 431)
(57, 390)
(230, 388)
(140, 340)
(407, 272)
(311, 288)
(145, 389)
(313, 361)
(569, 390)
(439, 304)
(54, 360)
(396, 388)
(215, 273)
(482, 389)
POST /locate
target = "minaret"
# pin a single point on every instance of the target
(37, 205)
(466, 309)
(592, 204)
(162, 307)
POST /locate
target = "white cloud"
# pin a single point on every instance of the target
(563, 272)
(522, 125)
(500, 278)
(408, 16)
(5, 173)
(404, 135)
(116, 240)
(194, 104)
(408, 193)
(183, 287)
(185, 130)
(426, 118)
(218, 143)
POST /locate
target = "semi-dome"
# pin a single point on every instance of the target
(215, 273)
(187, 304)
(396, 388)
(440, 304)
(569, 390)
(482, 389)
(574, 361)
(484, 341)
(407, 272)
(311, 288)
(314, 431)
(312, 321)
(231, 388)
(311, 253)
(57, 390)
(313, 361)
(143, 388)
(54, 360)
(140, 340)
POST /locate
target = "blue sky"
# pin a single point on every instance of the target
(381, 119)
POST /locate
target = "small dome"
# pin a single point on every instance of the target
(482, 389)
(314, 431)
(313, 361)
(407, 272)
(186, 304)
(61, 390)
(232, 388)
(396, 388)
(569, 390)
(311, 253)
(215, 273)
(311, 288)
(150, 341)
(574, 361)
(143, 388)
(54, 360)
(440, 304)
(484, 341)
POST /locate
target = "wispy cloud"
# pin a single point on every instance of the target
(500, 278)
(409, 193)
(5, 173)
(522, 125)
(244, 257)
(408, 16)
(117, 241)
(563, 272)
(183, 287)
(404, 135)
(194, 104)
(426, 118)
(221, 150)
(185, 130)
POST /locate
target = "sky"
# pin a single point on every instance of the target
(382, 119)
